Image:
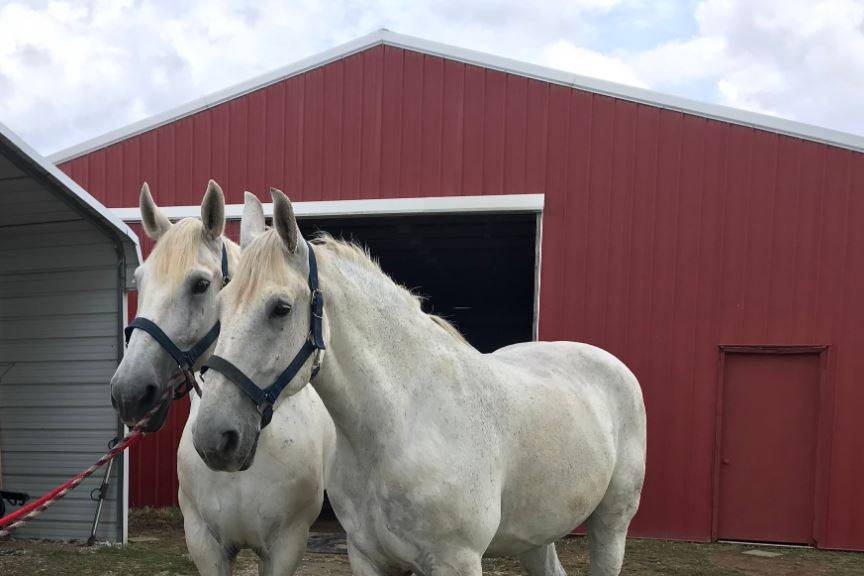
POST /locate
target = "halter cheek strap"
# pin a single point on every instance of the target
(185, 359)
(225, 276)
(265, 398)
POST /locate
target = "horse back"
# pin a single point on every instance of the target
(583, 371)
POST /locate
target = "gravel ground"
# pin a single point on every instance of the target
(157, 548)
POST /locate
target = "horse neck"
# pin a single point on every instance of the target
(379, 343)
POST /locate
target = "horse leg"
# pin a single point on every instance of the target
(361, 565)
(542, 561)
(608, 524)
(285, 553)
(210, 557)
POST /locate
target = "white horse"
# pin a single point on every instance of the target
(443, 454)
(270, 507)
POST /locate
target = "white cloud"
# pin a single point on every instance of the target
(564, 55)
(678, 63)
(72, 69)
(799, 59)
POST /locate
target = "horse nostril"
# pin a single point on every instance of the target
(228, 443)
(149, 397)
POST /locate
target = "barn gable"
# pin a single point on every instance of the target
(488, 61)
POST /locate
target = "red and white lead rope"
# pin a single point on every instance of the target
(27, 513)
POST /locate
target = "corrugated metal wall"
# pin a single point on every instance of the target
(665, 235)
(58, 349)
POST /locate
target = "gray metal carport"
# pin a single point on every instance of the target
(66, 264)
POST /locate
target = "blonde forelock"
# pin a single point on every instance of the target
(177, 251)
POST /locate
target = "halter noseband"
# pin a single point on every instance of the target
(265, 398)
(185, 359)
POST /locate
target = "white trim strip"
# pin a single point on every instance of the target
(125, 499)
(632, 93)
(216, 98)
(648, 97)
(377, 207)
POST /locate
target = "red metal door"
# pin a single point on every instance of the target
(767, 450)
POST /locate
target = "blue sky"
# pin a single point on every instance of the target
(70, 71)
(644, 25)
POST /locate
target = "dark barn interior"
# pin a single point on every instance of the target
(477, 271)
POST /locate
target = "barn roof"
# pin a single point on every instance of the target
(20, 161)
(388, 38)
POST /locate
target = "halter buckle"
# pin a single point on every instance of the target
(317, 360)
(318, 303)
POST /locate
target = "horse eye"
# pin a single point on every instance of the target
(200, 286)
(281, 309)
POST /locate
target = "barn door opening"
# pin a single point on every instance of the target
(476, 270)
(767, 450)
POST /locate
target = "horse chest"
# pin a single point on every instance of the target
(394, 507)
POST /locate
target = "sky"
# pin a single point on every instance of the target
(70, 71)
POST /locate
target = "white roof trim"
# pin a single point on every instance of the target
(74, 189)
(640, 95)
(377, 207)
(216, 98)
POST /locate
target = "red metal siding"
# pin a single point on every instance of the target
(664, 234)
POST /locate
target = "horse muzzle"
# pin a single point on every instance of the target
(140, 403)
(224, 448)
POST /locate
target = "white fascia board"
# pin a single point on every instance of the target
(386, 37)
(124, 501)
(631, 93)
(216, 98)
(377, 207)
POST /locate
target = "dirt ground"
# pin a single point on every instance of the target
(157, 548)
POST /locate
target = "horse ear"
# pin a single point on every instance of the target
(155, 223)
(213, 210)
(252, 224)
(284, 220)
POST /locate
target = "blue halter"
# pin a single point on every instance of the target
(265, 398)
(185, 359)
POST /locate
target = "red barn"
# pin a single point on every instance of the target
(719, 253)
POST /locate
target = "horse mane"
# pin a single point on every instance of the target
(358, 254)
(264, 260)
(177, 250)
(449, 328)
